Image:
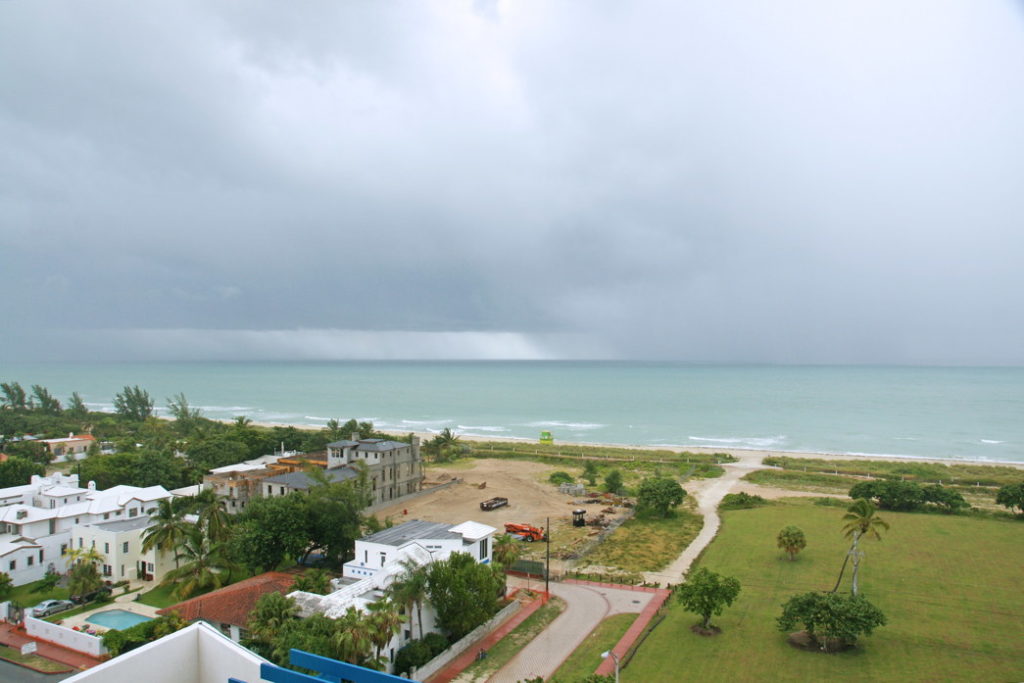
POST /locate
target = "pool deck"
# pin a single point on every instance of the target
(123, 602)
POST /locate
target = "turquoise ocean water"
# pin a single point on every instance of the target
(970, 413)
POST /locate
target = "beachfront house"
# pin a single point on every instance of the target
(71, 447)
(381, 558)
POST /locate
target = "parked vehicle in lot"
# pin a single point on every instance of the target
(494, 503)
(101, 592)
(48, 607)
(525, 532)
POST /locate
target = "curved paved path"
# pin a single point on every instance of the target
(586, 607)
(708, 498)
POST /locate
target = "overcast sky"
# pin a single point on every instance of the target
(723, 180)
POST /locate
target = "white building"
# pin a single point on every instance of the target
(120, 542)
(37, 521)
(379, 561)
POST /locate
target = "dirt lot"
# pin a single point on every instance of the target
(531, 499)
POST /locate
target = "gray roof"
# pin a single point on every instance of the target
(413, 530)
(372, 445)
(301, 480)
(124, 524)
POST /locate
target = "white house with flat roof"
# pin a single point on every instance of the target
(37, 521)
(381, 558)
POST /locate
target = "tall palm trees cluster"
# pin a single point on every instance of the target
(200, 558)
(355, 637)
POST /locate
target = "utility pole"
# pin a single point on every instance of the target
(547, 568)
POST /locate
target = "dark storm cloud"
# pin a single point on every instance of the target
(716, 181)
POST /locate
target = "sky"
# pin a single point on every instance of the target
(708, 181)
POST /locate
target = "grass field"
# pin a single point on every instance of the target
(33, 593)
(818, 482)
(950, 587)
(586, 658)
(925, 472)
(646, 545)
(35, 661)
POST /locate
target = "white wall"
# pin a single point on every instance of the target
(69, 638)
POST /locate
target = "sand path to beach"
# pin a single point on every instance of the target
(709, 494)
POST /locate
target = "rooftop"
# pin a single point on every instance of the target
(301, 480)
(413, 530)
(232, 604)
(124, 524)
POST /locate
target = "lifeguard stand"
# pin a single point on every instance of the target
(545, 437)
(579, 517)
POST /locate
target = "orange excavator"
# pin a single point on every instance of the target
(525, 532)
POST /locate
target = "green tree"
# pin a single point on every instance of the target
(76, 406)
(1011, 496)
(205, 565)
(590, 472)
(167, 529)
(891, 494)
(706, 592)
(658, 496)
(270, 530)
(44, 402)
(832, 620)
(14, 396)
(464, 593)
(186, 418)
(613, 482)
(314, 581)
(18, 471)
(213, 515)
(6, 585)
(83, 574)
(792, 540)
(384, 622)
(860, 520)
(269, 616)
(944, 498)
(409, 589)
(353, 637)
(133, 403)
(216, 450)
(444, 447)
(506, 550)
(335, 514)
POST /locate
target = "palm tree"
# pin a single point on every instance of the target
(409, 589)
(385, 622)
(860, 520)
(213, 516)
(792, 540)
(445, 445)
(271, 612)
(506, 550)
(168, 528)
(83, 576)
(352, 637)
(204, 567)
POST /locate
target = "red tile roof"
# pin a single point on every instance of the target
(232, 604)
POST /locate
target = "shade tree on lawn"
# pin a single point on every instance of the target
(707, 593)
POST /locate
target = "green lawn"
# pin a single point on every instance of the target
(32, 594)
(950, 587)
(34, 661)
(586, 658)
(161, 596)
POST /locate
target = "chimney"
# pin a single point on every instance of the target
(92, 486)
(355, 436)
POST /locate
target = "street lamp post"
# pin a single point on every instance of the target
(615, 657)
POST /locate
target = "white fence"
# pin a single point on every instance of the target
(468, 641)
(62, 635)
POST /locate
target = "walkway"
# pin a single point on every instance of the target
(587, 605)
(708, 498)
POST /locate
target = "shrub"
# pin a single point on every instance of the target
(741, 501)
(414, 655)
(561, 477)
(436, 642)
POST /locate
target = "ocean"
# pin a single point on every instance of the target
(934, 412)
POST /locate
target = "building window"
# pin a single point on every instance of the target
(106, 548)
(63, 549)
(106, 515)
(124, 547)
(14, 565)
(107, 570)
(149, 566)
(40, 556)
(133, 512)
(31, 560)
(483, 549)
(80, 541)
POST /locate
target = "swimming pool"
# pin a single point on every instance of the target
(117, 618)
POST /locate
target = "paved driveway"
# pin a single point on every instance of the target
(586, 607)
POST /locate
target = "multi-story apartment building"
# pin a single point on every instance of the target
(394, 469)
(38, 520)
